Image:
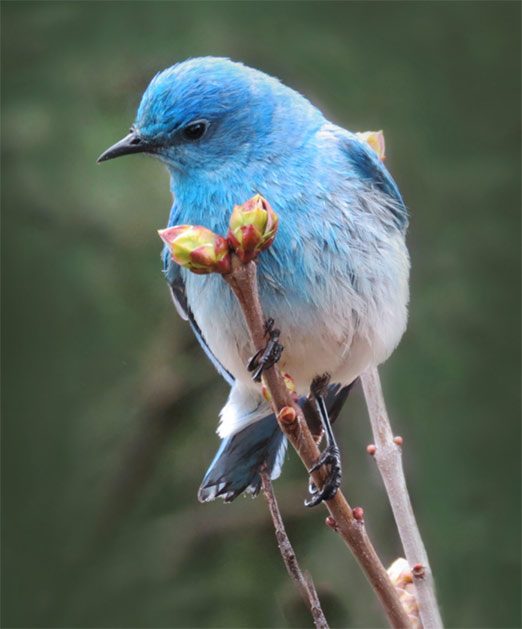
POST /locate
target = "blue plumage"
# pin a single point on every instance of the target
(336, 277)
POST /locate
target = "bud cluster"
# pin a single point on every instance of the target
(252, 229)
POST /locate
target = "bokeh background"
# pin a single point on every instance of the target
(109, 406)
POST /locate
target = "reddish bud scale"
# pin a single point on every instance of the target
(398, 440)
(371, 449)
(246, 250)
(358, 514)
(202, 257)
(418, 571)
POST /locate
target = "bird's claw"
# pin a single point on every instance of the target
(332, 457)
(269, 355)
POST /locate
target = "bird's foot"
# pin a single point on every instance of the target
(269, 355)
(332, 457)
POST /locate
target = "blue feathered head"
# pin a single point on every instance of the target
(206, 111)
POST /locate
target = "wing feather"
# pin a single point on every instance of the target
(177, 291)
(372, 171)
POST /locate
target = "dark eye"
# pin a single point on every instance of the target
(195, 130)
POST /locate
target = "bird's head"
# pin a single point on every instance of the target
(206, 113)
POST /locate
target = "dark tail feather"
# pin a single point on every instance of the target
(239, 458)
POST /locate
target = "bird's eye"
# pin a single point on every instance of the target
(195, 130)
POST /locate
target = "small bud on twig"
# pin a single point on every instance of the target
(252, 228)
(375, 139)
(418, 571)
(358, 514)
(287, 415)
(371, 449)
(398, 440)
(331, 523)
(197, 249)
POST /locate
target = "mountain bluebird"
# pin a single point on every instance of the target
(336, 278)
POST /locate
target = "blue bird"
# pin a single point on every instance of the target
(336, 279)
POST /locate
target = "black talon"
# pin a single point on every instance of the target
(269, 355)
(331, 455)
(269, 326)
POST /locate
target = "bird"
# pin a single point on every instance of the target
(335, 280)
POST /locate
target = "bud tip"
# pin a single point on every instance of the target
(287, 415)
(331, 523)
(252, 228)
(418, 571)
(358, 514)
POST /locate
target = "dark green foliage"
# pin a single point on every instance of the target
(109, 407)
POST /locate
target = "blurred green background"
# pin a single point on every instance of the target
(109, 405)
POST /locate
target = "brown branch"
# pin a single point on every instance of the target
(304, 584)
(387, 451)
(243, 281)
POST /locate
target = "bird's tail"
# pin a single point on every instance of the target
(236, 466)
(239, 458)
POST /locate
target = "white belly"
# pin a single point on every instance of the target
(341, 333)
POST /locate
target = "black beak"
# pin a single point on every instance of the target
(131, 143)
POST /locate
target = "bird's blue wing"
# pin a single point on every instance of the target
(177, 289)
(367, 165)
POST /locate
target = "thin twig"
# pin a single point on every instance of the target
(304, 584)
(243, 281)
(388, 456)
